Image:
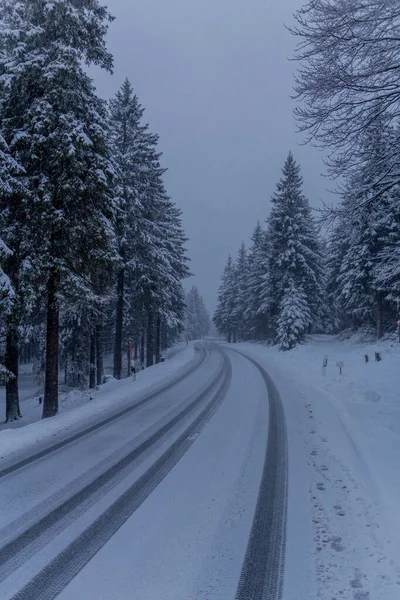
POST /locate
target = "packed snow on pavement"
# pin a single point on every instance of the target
(343, 529)
(350, 425)
(80, 407)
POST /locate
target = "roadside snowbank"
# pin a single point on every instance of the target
(351, 430)
(78, 409)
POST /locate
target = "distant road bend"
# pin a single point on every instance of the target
(182, 496)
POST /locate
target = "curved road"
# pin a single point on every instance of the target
(181, 496)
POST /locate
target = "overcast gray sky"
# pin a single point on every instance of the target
(215, 80)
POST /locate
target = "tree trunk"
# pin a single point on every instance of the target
(150, 340)
(50, 402)
(119, 320)
(379, 315)
(11, 363)
(99, 354)
(136, 350)
(164, 343)
(92, 360)
(158, 339)
(142, 348)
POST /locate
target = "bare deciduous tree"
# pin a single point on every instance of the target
(349, 77)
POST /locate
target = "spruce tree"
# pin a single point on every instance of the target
(174, 268)
(294, 316)
(151, 242)
(294, 261)
(58, 125)
(387, 267)
(241, 287)
(368, 222)
(197, 321)
(224, 317)
(14, 245)
(133, 149)
(255, 313)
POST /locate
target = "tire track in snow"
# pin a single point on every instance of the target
(263, 567)
(147, 398)
(23, 522)
(20, 548)
(51, 580)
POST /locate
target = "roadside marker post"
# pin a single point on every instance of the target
(133, 370)
(132, 363)
(340, 364)
(324, 364)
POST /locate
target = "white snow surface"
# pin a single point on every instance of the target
(350, 460)
(188, 539)
(79, 408)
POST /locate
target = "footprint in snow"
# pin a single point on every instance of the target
(356, 582)
(361, 596)
(321, 487)
(339, 510)
(372, 396)
(336, 544)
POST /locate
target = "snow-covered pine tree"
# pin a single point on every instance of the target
(76, 330)
(133, 148)
(224, 319)
(13, 251)
(294, 315)
(171, 301)
(219, 318)
(255, 315)
(241, 287)
(191, 323)
(355, 277)
(204, 318)
(57, 127)
(332, 315)
(197, 321)
(294, 260)
(387, 266)
(367, 223)
(165, 267)
(83, 310)
(149, 231)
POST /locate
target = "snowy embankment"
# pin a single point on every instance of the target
(79, 408)
(350, 426)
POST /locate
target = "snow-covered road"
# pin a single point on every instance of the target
(184, 497)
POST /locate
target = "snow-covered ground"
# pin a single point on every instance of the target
(30, 389)
(350, 426)
(78, 408)
(187, 539)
